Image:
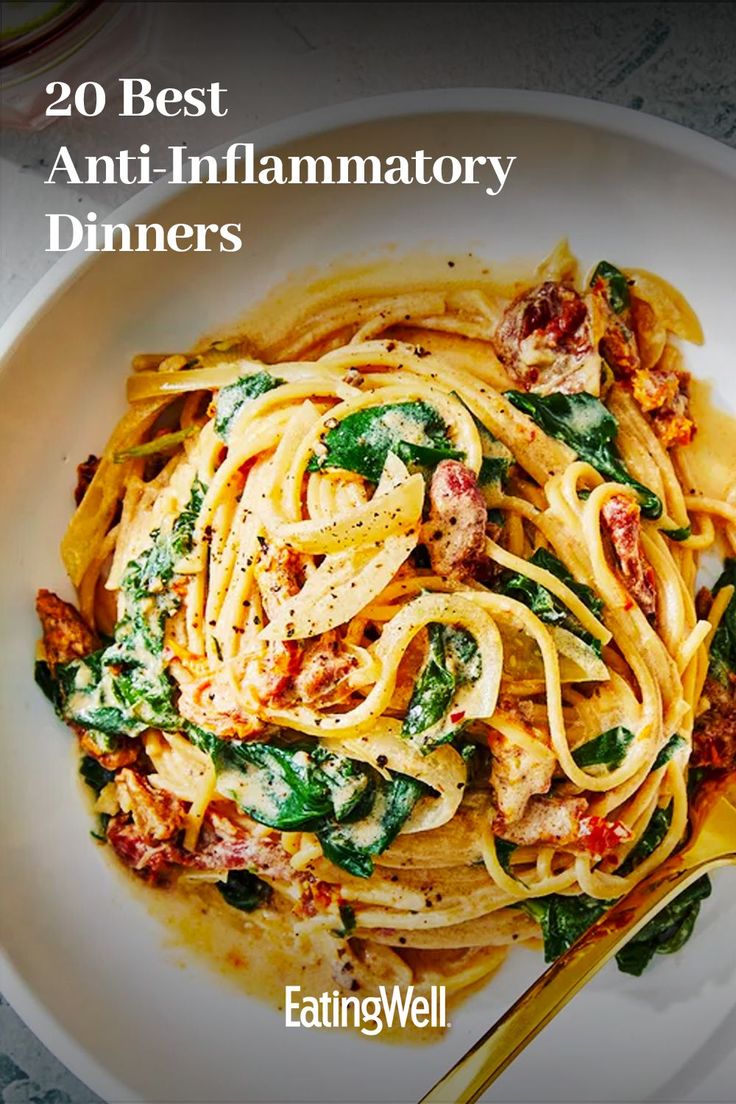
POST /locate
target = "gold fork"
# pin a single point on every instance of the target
(712, 844)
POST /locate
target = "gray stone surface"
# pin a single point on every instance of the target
(674, 60)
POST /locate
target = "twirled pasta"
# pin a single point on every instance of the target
(363, 528)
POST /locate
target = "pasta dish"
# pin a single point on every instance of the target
(388, 630)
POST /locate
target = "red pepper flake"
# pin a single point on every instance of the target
(600, 836)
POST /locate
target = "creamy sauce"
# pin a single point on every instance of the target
(254, 789)
(289, 305)
(261, 952)
(712, 454)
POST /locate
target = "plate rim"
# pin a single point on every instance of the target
(626, 122)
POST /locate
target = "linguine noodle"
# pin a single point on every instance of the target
(380, 630)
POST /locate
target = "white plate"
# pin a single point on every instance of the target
(86, 966)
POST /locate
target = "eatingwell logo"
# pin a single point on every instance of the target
(394, 1006)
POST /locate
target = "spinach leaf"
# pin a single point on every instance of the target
(652, 836)
(615, 284)
(504, 851)
(695, 778)
(497, 458)
(668, 751)
(124, 688)
(206, 741)
(167, 442)
(46, 681)
(354, 811)
(244, 891)
(453, 661)
(94, 774)
(609, 748)
(667, 932)
(546, 559)
(425, 457)
(231, 399)
(584, 423)
(493, 469)
(347, 784)
(121, 690)
(535, 596)
(723, 645)
(362, 441)
(154, 569)
(563, 919)
(545, 604)
(433, 690)
(678, 534)
(281, 787)
(461, 652)
(353, 843)
(103, 819)
(347, 917)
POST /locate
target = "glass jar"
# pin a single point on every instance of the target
(72, 41)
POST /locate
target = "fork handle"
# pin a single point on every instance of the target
(541, 1002)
